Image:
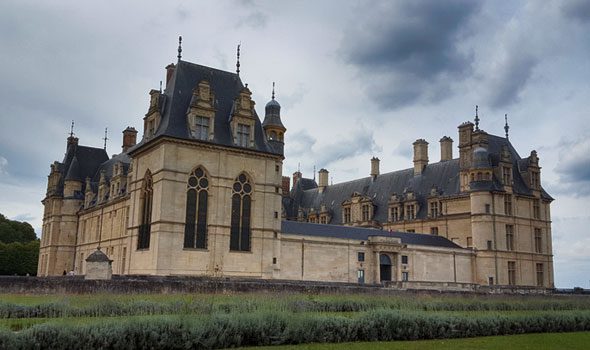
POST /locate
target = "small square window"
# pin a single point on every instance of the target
(489, 245)
(488, 209)
(405, 276)
(275, 234)
(404, 259)
(274, 261)
(361, 256)
(276, 189)
(277, 168)
(412, 231)
(276, 214)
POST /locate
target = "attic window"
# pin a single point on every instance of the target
(202, 128)
(243, 135)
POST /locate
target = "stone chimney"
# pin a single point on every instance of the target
(374, 167)
(420, 156)
(286, 185)
(296, 176)
(129, 138)
(446, 148)
(169, 72)
(322, 179)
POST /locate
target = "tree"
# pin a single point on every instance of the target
(19, 248)
(15, 231)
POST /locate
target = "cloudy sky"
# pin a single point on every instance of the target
(356, 79)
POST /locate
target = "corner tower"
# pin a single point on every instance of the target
(273, 127)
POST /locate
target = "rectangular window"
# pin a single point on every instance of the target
(404, 259)
(274, 261)
(434, 231)
(434, 209)
(202, 128)
(412, 230)
(123, 260)
(511, 273)
(243, 135)
(506, 176)
(488, 209)
(509, 237)
(535, 181)
(538, 240)
(361, 256)
(491, 281)
(405, 276)
(394, 213)
(366, 213)
(536, 209)
(411, 212)
(360, 276)
(489, 245)
(469, 242)
(540, 275)
(508, 204)
(323, 219)
(346, 215)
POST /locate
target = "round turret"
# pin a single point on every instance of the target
(272, 124)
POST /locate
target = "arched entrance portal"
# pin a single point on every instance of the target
(385, 267)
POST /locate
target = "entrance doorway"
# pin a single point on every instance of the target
(385, 267)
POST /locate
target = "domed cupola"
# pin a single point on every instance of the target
(274, 128)
(481, 168)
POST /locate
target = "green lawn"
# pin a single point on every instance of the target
(544, 341)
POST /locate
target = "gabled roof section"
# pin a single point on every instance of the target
(226, 87)
(80, 162)
(362, 234)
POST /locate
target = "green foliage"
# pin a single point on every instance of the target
(19, 258)
(15, 231)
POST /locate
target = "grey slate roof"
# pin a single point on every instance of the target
(177, 97)
(443, 176)
(362, 234)
(80, 162)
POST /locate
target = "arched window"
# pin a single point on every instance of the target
(241, 202)
(195, 228)
(143, 239)
(273, 135)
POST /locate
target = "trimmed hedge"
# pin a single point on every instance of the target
(269, 328)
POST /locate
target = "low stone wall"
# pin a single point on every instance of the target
(181, 284)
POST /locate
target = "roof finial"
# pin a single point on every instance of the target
(72, 129)
(238, 62)
(298, 167)
(105, 138)
(160, 86)
(506, 127)
(476, 118)
(314, 173)
(179, 47)
(273, 90)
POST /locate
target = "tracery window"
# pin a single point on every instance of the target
(195, 228)
(240, 230)
(143, 239)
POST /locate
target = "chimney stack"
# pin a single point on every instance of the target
(129, 138)
(446, 148)
(374, 167)
(169, 72)
(323, 179)
(286, 185)
(420, 156)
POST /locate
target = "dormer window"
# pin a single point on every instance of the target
(243, 135)
(535, 182)
(506, 176)
(202, 128)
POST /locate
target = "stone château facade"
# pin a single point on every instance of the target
(202, 193)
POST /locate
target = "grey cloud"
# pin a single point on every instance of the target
(300, 144)
(574, 168)
(3, 165)
(511, 79)
(408, 51)
(404, 149)
(255, 20)
(361, 142)
(577, 9)
(24, 217)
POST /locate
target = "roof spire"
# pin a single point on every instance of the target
(105, 138)
(179, 47)
(160, 86)
(273, 90)
(314, 173)
(476, 118)
(506, 127)
(238, 61)
(72, 129)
